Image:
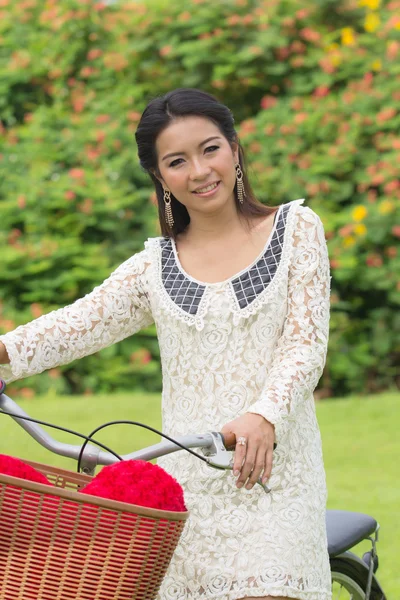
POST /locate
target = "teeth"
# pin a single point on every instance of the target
(207, 189)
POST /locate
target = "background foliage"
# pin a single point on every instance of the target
(314, 87)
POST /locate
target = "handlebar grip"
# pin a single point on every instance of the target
(2, 386)
(229, 440)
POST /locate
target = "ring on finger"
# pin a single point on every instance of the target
(241, 441)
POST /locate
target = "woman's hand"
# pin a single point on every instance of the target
(254, 457)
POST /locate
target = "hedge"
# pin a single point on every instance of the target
(314, 87)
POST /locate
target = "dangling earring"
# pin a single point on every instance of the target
(169, 218)
(239, 181)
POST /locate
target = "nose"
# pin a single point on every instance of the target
(199, 170)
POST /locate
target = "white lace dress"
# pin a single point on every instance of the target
(253, 343)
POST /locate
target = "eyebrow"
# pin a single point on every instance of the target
(214, 137)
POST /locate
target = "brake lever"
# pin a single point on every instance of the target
(219, 457)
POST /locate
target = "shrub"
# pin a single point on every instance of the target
(314, 90)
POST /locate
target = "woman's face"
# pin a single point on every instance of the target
(201, 156)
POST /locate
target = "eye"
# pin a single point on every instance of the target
(173, 164)
(176, 162)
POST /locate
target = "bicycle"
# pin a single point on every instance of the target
(353, 578)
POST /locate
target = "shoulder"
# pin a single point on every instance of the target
(138, 262)
(305, 219)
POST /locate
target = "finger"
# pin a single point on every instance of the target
(238, 458)
(247, 467)
(268, 464)
(258, 468)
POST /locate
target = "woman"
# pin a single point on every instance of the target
(239, 293)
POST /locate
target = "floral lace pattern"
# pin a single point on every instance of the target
(226, 359)
(116, 309)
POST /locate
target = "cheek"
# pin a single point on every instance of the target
(175, 180)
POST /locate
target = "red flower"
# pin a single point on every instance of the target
(76, 173)
(392, 186)
(36, 310)
(391, 251)
(392, 49)
(165, 50)
(300, 117)
(386, 114)
(321, 91)
(94, 53)
(268, 102)
(102, 119)
(69, 195)
(17, 468)
(282, 53)
(138, 482)
(310, 34)
(21, 201)
(86, 206)
(302, 13)
(133, 115)
(335, 264)
(374, 260)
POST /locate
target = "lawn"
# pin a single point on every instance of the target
(361, 449)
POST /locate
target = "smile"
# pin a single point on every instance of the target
(208, 190)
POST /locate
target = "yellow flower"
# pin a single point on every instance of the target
(359, 212)
(372, 22)
(371, 4)
(360, 229)
(348, 38)
(376, 65)
(349, 241)
(331, 47)
(336, 60)
(386, 207)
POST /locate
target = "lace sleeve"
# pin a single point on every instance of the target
(114, 310)
(300, 354)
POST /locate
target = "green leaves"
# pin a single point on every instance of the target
(314, 92)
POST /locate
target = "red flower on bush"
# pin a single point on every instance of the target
(76, 173)
(374, 260)
(396, 230)
(69, 195)
(310, 34)
(268, 102)
(321, 91)
(386, 114)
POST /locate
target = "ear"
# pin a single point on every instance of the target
(160, 179)
(235, 151)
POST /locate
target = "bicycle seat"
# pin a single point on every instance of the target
(346, 529)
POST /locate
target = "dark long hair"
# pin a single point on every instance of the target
(158, 114)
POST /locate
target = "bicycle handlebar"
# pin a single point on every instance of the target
(215, 446)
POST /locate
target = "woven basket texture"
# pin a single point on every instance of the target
(58, 544)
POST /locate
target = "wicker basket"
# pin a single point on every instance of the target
(58, 544)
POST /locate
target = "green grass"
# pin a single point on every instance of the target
(361, 443)
(361, 450)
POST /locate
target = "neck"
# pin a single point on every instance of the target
(214, 225)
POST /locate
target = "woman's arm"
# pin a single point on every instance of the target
(4, 358)
(300, 354)
(116, 309)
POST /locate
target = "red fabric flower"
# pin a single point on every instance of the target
(17, 468)
(132, 481)
(138, 482)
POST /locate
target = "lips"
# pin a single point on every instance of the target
(214, 183)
